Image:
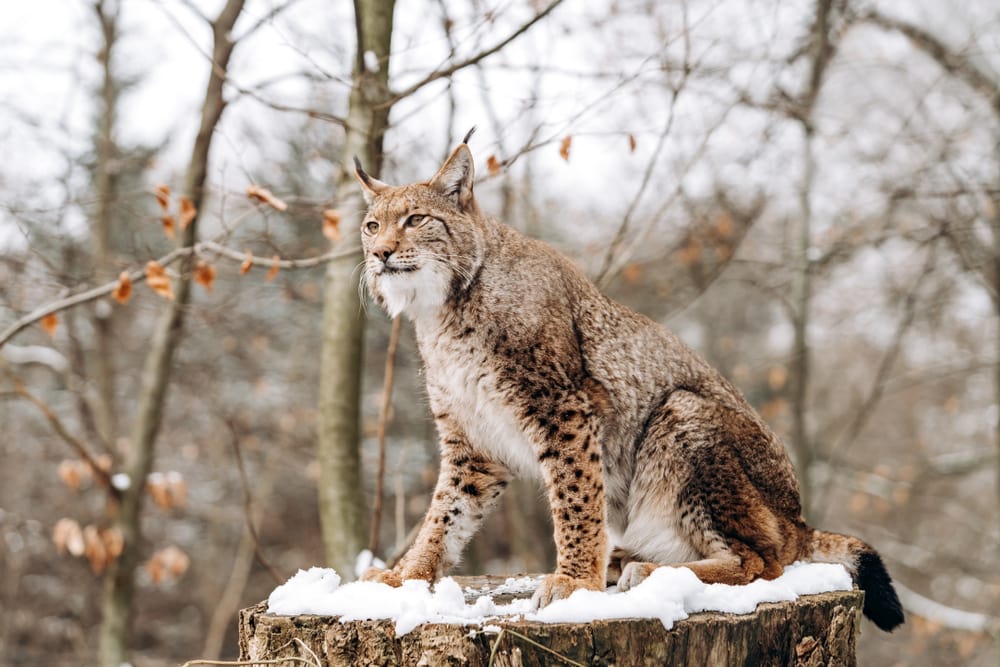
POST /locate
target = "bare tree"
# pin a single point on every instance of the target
(119, 582)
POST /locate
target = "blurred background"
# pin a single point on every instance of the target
(808, 192)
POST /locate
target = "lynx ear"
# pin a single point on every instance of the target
(369, 186)
(455, 179)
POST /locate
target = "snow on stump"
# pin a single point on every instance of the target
(811, 631)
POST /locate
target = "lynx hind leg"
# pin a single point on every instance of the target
(617, 561)
(694, 503)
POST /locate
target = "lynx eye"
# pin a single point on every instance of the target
(371, 227)
(414, 220)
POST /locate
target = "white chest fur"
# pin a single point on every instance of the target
(461, 383)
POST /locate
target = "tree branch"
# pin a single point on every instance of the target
(139, 275)
(448, 71)
(952, 62)
(383, 423)
(248, 505)
(78, 446)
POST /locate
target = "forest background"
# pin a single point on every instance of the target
(192, 388)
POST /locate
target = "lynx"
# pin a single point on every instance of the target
(649, 457)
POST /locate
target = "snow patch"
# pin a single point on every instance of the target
(670, 594)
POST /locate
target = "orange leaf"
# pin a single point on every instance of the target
(493, 165)
(204, 275)
(114, 542)
(49, 323)
(177, 488)
(94, 549)
(168, 225)
(177, 561)
(264, 196)
(67, 536)
(123, 291)
(631, 143)
(156, 487)
(187, 213)
(162, 193)
(70, 473)
(169, 563)
(247, 264)
(158, 280)
(273, 271)
(331, 224)
(564, 147)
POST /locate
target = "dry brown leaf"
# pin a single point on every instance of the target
(67, 536)
(156, 487)
(272, 273)
(154, 567)
(187, 212)
(50, 322)
(94, 549)
(204, 275)
(103, 462)
(777, 377)
(690, 254)
(177, 561)
(493, 165)
(177, 488)
(168, 225)
(123, 291)
(264, 196)
(166, 564)
(331, 224)
(247, 264)
(158, 280)
(631, 143)
(632, 274)
(162, 193)
(70, 474)
(564, 147)
(114, 542)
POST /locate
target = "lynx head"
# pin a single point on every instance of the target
(422, 242)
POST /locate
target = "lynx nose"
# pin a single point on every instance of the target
(382, 252)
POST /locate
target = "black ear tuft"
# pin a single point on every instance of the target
(468, 135)
(360, 171)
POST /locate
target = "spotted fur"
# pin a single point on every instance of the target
(532, 371)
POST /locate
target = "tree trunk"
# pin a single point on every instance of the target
(802, 445)
(119, 581)
(813, 631)
(341, 504)
(106, 191)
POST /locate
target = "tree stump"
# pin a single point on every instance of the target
(813, 631)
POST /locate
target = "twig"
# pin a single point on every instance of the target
(315, 661)
(533, 643)
(102, 475)
(472, 60)
(248, 505)
(875, 392)
(383, 423)
(139, 275)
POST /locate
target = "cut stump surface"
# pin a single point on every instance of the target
(813, 631)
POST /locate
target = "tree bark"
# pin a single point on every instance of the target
(813, 631)
(106, 191)
(119, 581)
(341, 504)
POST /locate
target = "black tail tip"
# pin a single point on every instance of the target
(882, 605)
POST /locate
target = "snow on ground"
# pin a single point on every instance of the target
(669, 594)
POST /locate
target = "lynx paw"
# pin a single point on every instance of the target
(635, 573)
(381, 576)
(558, 587)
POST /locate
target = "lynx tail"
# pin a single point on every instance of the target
(882, 605)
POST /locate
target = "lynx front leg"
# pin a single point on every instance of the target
(468, 487)
(570, 457)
